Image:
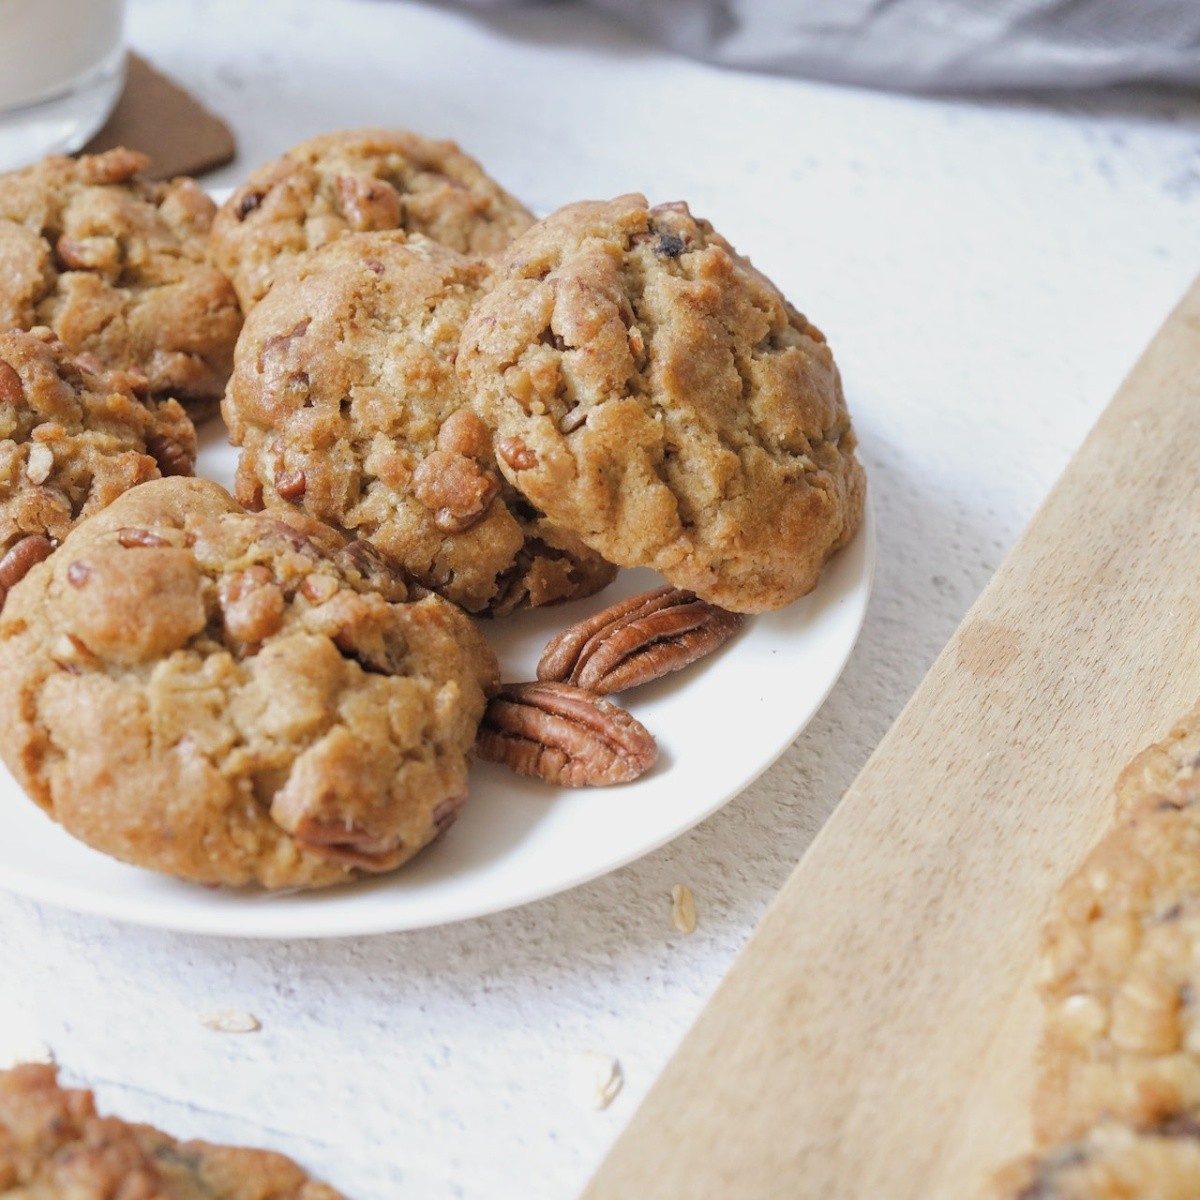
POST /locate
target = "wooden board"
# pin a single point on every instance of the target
(875, 1037)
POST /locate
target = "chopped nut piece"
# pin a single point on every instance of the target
(683, 908)
(40, 463)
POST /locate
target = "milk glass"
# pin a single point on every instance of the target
(62, 65)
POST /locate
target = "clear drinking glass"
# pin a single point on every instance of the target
(62, 66)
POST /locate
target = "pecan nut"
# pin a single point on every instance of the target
(637, 640)
(21, 558)
(564, 735)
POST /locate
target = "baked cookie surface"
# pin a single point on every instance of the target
(232, 697)
(55, 1145)
(657, 395)
(345, 402)
(354, 182)
(71, 442)
(1111, 1162)
(117, 267)
(1162, 767)
(1121, 976)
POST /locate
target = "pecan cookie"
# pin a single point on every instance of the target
(232, 697)
(657, 395)
(71, 441)
(1111, 1162)
(116, 266)
(54, 1145)
(1161, 767)
(1121, 976)
(353, 182)
(345, 402)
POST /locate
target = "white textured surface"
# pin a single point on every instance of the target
(986, 273)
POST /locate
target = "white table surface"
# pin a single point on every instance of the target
(986, 272)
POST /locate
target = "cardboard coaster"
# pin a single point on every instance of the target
(155, 115)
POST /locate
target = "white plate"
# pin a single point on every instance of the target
(719, 724)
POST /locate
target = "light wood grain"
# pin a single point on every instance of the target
(875, 1037)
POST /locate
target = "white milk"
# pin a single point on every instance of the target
(47, 47)
(61, 71)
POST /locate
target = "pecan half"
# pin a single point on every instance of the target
(21, 558)
(637, 640)
(564, 735)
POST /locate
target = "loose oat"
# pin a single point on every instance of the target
(596, 1079)
(230, 1020)
(683, 908)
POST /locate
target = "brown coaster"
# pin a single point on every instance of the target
(155, 115)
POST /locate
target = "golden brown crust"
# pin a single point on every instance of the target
(354, 182)
(345, 402)
(1161, 768)
(72, 440)
(232, 697)
(54, 1145)
(655, 394)
(1121, 976)
(117, 267)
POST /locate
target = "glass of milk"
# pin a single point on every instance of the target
(62, 66)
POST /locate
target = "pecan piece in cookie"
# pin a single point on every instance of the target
(637, 640)
(564, 735)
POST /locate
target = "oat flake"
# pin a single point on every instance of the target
(230, 1020)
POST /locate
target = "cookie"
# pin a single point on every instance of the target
(655, 394)
(1111, 1162)
(345, 402)
(71, 441)
(54, 1145)
(1161, 767)
(354, 182)
(1121, 976)
(232, 697)
(116, 266)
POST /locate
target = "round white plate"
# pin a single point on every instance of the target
(718, 724)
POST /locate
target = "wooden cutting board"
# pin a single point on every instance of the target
(875, 1038)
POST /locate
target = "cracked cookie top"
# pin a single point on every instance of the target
(657, 395)
(1121, 975)
(345, 402)
(233, 697)
(71, 441)
(116, 266)
(354, 182)
(53, 1143)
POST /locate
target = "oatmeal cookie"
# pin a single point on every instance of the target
(1111, 1162)
(233, 697)
(1121, 976)
(354, 182)
(116, 266)
(54, 1145)
(345, 402)
(71, 441)
(657, 395)
(1161, 767)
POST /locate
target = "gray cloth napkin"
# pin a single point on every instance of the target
(931, 44)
